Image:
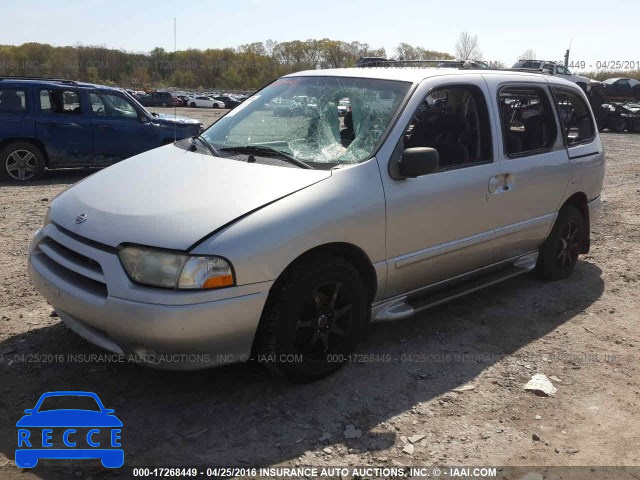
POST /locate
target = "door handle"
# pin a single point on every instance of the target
(105, 127)
(504, 182)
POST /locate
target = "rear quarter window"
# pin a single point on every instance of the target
(575, 117)
(13, 100)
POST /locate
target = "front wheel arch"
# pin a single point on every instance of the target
(349, 252)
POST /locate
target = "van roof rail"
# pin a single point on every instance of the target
(48, 79)
(368, 62)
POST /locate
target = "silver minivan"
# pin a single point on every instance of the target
(280, 237)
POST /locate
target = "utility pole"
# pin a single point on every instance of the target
(566, 55)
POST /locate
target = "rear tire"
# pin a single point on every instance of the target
(616, 123)
(634, 125)
(21, 162)
(313, 320)
(559, 253)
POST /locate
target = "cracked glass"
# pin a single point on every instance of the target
(321, 120)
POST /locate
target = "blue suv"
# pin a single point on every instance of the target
(50, 123)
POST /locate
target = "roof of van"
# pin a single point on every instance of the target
(416, 75)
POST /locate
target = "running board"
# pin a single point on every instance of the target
(409, 305)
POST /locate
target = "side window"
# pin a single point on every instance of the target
(110, 105)
(528, 124)
(577, 124)
(13, 100)
(454, 121)
(60, 101)
(562, 70)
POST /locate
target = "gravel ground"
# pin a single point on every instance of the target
(583, 331)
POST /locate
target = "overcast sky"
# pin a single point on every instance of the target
(600, 30)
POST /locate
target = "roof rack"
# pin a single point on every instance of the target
(544, 71)
(49, 79)
(368, 62)
(460, 64)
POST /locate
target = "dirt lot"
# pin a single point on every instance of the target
(584, 331)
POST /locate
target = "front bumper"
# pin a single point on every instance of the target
(163, 328)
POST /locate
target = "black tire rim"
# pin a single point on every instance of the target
(323, 322)
(21, 165)
(569, 245)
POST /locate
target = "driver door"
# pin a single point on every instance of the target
(442, 224)
(119, 132)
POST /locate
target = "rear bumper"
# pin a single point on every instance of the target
(165, 332)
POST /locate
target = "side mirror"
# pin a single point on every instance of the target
(418, 161)
(109, 411)
(29, 411)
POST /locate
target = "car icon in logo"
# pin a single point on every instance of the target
(52, 430)
(81, 218)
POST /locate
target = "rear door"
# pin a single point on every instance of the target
(16, 119)
(119, 130)
(63, 125)
(534, 165)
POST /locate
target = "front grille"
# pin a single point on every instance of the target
(76, 268)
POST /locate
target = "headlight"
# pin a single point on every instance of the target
(175, 270)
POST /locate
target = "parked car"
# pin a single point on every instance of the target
(228, 101)
(201, 101)
(161, 99)
(272, 238)
(59, 123)
(622, 88)
(288, 107)
(555, 68)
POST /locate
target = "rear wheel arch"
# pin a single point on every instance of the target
(579, 200)
(34, 141)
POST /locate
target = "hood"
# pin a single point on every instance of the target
(168, 119)
(171, 198)
(584, 79)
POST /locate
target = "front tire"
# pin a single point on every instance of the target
(314, 319)
(559, 253)
(21, 162)
(193, 105)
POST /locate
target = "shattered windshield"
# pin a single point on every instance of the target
(299, 117)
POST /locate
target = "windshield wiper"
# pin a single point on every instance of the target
(210, 147)
(267, 151)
